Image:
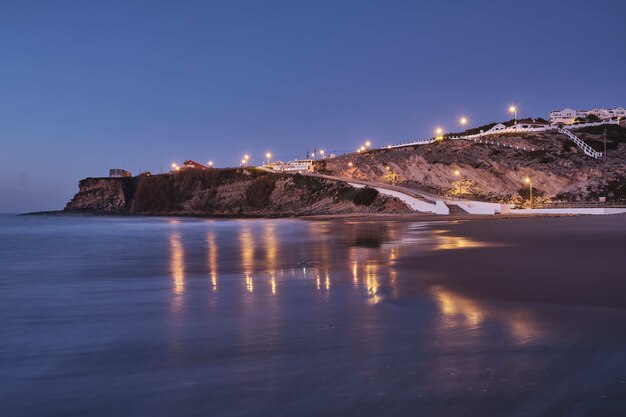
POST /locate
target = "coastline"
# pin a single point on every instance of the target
(364, 217)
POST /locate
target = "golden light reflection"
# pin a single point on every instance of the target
(271, 250)
(212, 245)
(452, 307)
(371, 281)
(327, 282)
(177, 263)
(446, 242)
(246, 242)
(462, 311)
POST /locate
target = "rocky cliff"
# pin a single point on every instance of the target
(228, 192)
(495, 168)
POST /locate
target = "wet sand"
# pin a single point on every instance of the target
(567, 260)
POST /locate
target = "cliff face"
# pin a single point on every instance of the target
(103, 195)
(496, 170)
(233, 192)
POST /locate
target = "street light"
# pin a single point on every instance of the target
(528, 181)
(439, 133)
(210, 163)
(350, 164)
(513, 110)
(269, 157)
(463, 121)
(457, 173)
(368, 144)
(322, 153)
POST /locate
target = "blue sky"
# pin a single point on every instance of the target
(87, 86)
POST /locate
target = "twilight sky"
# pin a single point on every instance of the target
(86, 86)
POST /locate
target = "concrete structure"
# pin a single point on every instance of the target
(568, 116)
(119, 173)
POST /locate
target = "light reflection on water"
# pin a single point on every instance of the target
(280, 317)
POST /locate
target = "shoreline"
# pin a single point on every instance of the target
(401, 217)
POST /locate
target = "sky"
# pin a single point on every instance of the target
(86, 86)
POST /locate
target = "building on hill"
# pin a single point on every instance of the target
(495, 128)
(292, 166)
(189, 164)
(529, 125)
(119, 173)
(569, 116)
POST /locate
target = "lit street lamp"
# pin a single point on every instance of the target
(457, 173)
(368, 144)
(528, 181)
(513, 110)
(463, 121)
(210, 163)
(269, 157)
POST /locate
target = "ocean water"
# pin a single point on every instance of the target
(122, 316)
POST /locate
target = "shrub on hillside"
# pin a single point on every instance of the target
(365, 196)
(153, 195)
(259, 191)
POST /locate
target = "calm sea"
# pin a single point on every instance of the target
(114, 316)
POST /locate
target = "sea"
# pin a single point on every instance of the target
(157, 316)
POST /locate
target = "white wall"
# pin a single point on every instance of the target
(598, 210)
(414, 203)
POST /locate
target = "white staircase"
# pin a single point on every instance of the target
(588, 150)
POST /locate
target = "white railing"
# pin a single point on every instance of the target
(412, 143)
(588, 150)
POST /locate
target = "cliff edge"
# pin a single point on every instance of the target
(226, 192)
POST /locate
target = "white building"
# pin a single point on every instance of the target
(568, 116)
(496, 128)
(292, 166)
(529, 125)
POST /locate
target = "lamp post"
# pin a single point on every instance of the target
(528, 181)
(268, 156)
(210, 164)
(463, 121)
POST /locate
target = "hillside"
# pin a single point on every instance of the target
(226, 192)
(495, 169)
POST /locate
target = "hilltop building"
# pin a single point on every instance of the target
(292, 166)
(568, 116)
(119, 173)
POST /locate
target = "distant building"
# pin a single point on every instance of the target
(189, 164)
(496, 128)
(529, 125)
(119, 173)
(568, 116)
(292, 166)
